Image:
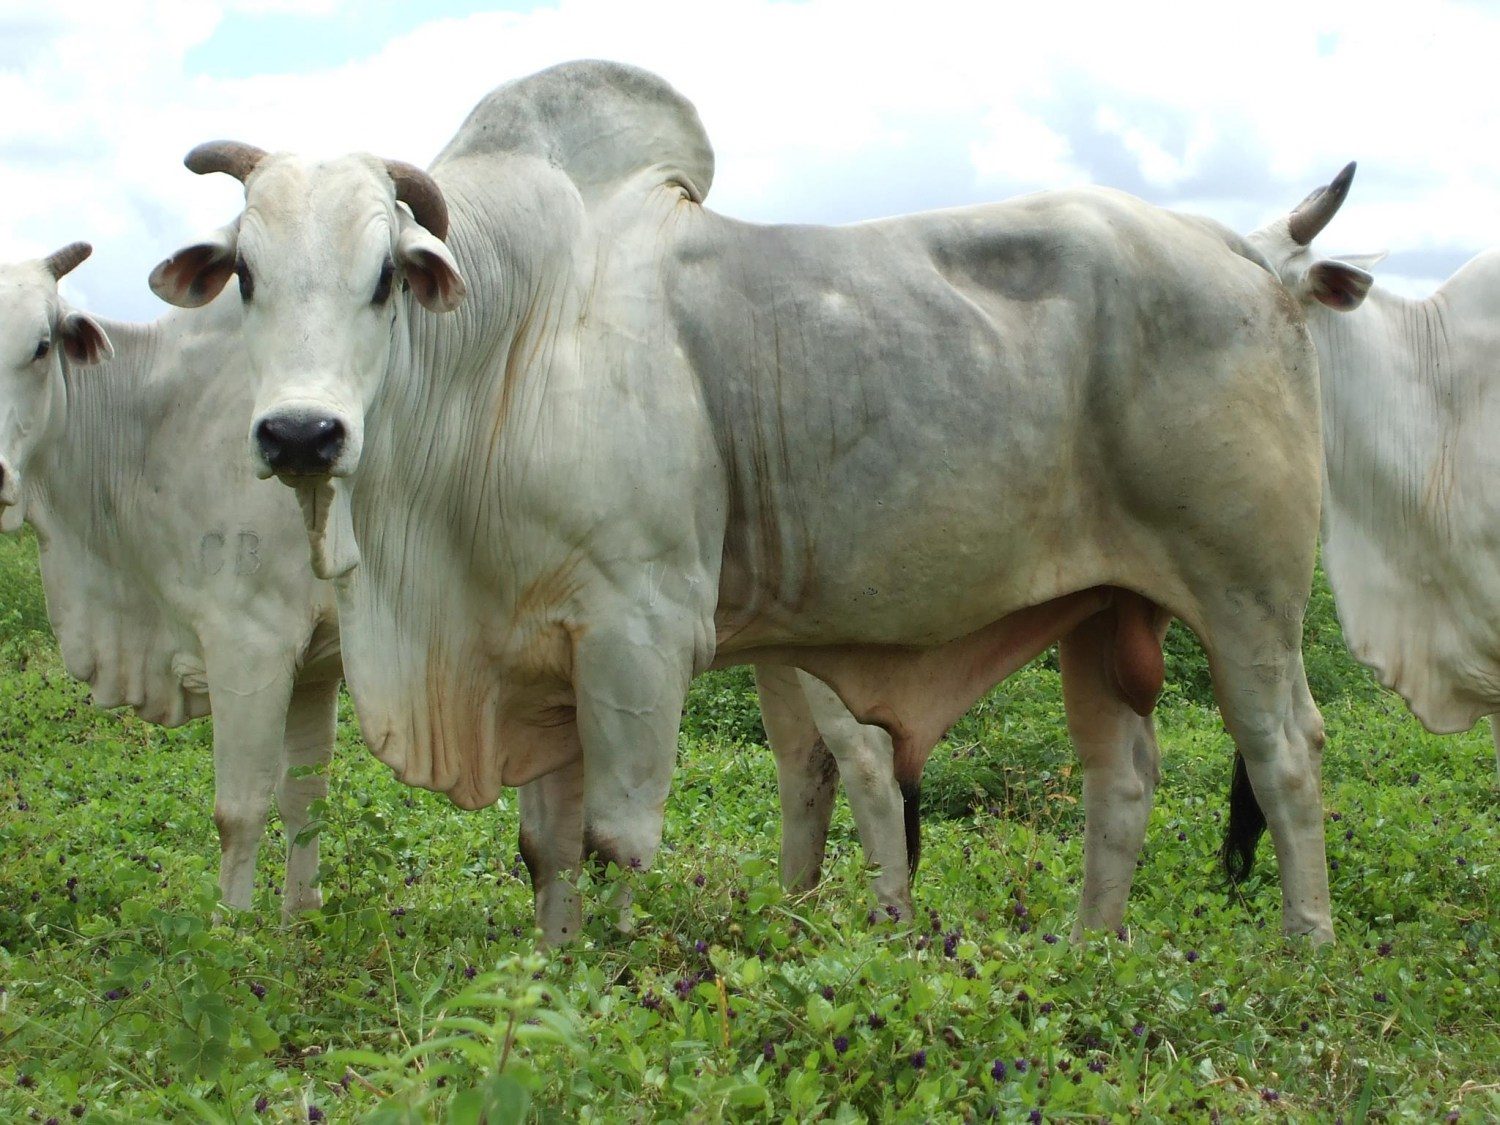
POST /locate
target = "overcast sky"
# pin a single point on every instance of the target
(820, 111)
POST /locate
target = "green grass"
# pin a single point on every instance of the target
(122, 997)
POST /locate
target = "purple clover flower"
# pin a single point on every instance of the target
(918, 1060)
(841, 1044)
(998, 1071)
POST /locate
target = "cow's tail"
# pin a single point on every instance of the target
(1247, 823)
(908, 770)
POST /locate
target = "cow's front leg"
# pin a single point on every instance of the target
(311, 725)
(552, 849)
(629, 694)
(249, 727)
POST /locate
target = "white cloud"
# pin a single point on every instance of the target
(826, 110)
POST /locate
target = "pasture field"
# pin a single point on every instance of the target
(417, 994)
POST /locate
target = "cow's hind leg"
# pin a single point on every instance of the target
(311, 720)
(806, 775)
(1256, 660)
(1112, 674)
(865, 757)
(551, 846)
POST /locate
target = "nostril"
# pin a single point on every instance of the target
(300, 445)
(269, 437)
(329, 437)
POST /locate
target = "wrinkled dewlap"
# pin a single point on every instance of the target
(425, 618)
(113, 634)
(119, 643)
(1409, 528)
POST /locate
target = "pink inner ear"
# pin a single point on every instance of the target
(193, 276)
(84, 342)
(1339, 286)
(434, 284)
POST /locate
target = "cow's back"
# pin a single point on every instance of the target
(1014, 401)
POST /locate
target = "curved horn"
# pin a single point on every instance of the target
(231, 157)
(1314, 212)
(420, 192)
(66, 260)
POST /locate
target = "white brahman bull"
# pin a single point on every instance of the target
(176, 582)
(1411, 527)
(175, 579)
(904, 456)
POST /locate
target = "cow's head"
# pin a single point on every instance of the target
(1341, 284)
(38, 333)
(323, 253)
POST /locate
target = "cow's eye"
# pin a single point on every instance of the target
(383, 284)
(42, 349)
(247, 279)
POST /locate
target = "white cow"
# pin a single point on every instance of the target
(175, 581)
(904, 456)
(1411, 524)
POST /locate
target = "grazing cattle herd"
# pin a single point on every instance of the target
(561, 438)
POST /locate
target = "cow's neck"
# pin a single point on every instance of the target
(1396, 518)
(1390, 399)
(465, 392)
(80, 484)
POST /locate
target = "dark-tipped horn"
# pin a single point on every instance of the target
(1314, 212)
(233, 158)
(420, 192)
(66, 260)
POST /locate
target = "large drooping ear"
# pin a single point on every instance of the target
(428, 267)
(1338, 285)
(83, 341)
(196, 274)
